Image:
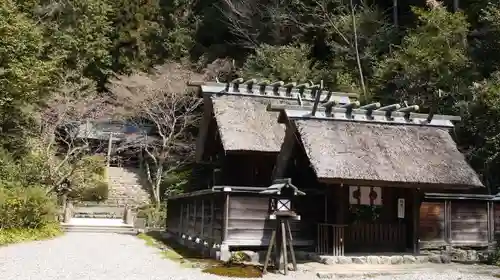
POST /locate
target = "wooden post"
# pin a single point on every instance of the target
(491, 222)
(447, 221)
(283, 246)
(195, 217)
(456, 5)
(269, 249)
(202, 234)
(281, 236)
(416, 221)
(226, 218)
(181, 220)
(395, 16)
(212, 219)
(292, 251)
(186, 226)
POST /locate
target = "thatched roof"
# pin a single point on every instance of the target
(384, 154)
(245, 125)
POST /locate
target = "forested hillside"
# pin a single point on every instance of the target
(67, 60)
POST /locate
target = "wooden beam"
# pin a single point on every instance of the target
(204, 127)
(285, 153)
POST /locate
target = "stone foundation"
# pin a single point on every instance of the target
(437, 257)
(463, 255)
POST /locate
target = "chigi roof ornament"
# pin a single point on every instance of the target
(315, 102)
(306, 92)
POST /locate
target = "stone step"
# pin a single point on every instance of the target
(100, 229)
(98, 225)
(98, 215)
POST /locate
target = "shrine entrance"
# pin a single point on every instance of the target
(367, 220)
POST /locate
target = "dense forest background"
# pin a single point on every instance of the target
(67, 60)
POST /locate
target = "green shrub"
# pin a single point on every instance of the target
(99, 192)
(155, 216)
(10, 236)
(29, 208)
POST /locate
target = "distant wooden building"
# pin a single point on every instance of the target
(377, 179)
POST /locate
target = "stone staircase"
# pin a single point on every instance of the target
(125, 190)
(125, 187)
(98, 225)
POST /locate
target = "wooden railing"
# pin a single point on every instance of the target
(330, 239)
(375, 237)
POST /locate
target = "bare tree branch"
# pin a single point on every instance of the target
(161, 102)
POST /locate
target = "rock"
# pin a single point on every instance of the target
(325, 275)
(301, 256)
(472, 256)
(422, 259)
(373, 260)
(407, 259)
(329, 260)
(261, 256)
(396, 260)
(244, 256)
(435, 258)
(385, 260)
(313, 257)
(344, 260)
(458, 255)
(445, 258)
(359, 260)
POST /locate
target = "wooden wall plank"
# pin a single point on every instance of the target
(469, 221)
(432, 224)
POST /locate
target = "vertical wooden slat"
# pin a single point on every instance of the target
(212, 220)
(202, 218)
(186, 226)
(181, 220)
(447, 221)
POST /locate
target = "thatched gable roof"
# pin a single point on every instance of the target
(245, 125)
(384, 154)
(243, 122)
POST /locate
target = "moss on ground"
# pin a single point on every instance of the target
(11, 236)
(235, 270)
(192, 259)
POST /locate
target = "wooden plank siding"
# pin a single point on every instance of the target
(496, 216)
(249, 225)
(469, 222)
(432, 224)
(457, 222)
(197, 217)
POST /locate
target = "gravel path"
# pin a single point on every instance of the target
(79, 256)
